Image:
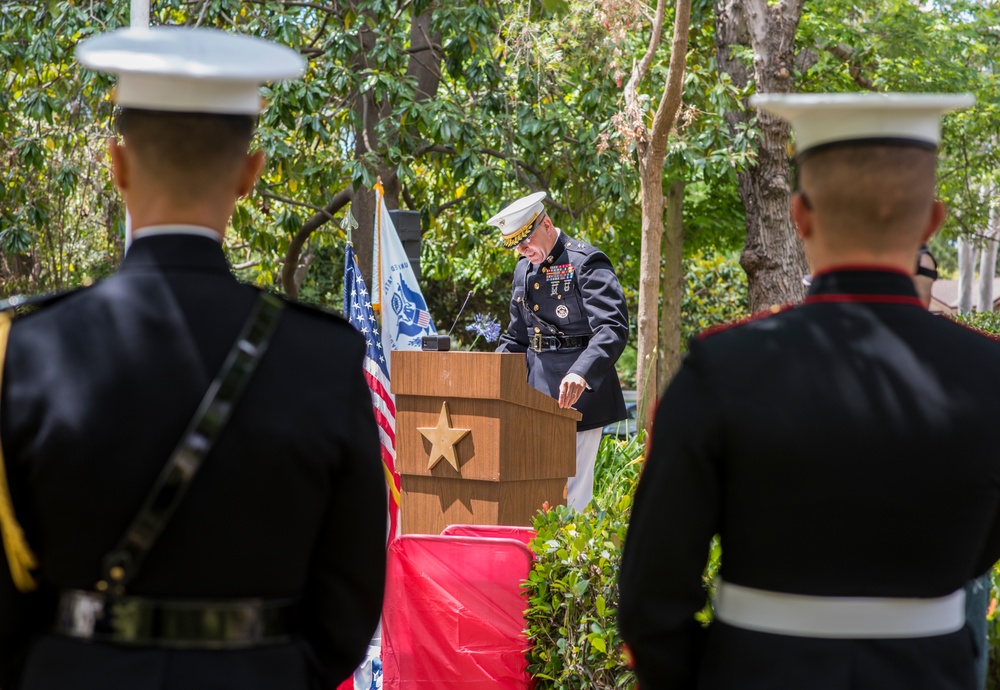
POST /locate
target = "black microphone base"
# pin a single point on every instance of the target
(435, 343)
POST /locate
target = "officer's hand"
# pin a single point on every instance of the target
(571, 389)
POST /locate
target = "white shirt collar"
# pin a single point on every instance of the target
(198, 230)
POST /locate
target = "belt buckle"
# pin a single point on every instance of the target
(536, 342)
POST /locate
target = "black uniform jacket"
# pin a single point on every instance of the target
(99, 386)
(840, 448)
(574, 292)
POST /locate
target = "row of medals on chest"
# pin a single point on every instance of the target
(556, 277)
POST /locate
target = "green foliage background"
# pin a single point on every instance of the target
(530, 97)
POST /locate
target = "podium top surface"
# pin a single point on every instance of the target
(460, 374)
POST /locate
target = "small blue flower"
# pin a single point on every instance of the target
(484, 326)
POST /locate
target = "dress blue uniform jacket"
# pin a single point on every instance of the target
(574, 292)
(843, 447)
(97, 389)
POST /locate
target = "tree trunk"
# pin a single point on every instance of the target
(772, 256)
(649, 289)
(988, 262)
(672, 288)
(651, 157)
(966, 266)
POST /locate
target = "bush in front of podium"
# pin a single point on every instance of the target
(572, 589)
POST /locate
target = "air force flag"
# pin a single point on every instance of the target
(404, 312)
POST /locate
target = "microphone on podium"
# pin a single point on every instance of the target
(442, 343)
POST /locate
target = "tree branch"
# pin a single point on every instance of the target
(434, 47)
(516, 161)
(408, 198)
(294, 250)
(846, 54)
(670, 103)
(298, 3)
(495, 153)
(640, 69)
(319, 32)
(293, 202)
(201, 14)
(434, 148)
(454, 202)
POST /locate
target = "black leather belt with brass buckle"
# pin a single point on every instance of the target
(170, 624)
(545, 343)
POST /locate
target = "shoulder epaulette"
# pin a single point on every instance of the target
(775, 309)
(26, 304)
(578, 246)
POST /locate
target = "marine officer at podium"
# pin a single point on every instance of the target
(835, 447)
(168, 551)
(568, 314)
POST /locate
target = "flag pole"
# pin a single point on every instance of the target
(377, 254)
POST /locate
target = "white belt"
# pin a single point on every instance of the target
(838, 617)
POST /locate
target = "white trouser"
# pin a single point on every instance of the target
(580, 489)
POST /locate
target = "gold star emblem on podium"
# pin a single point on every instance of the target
(443, 439)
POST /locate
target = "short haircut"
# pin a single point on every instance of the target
(876, 196)
(189, 153)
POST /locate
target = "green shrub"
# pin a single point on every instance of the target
(986, 321)
(715, 293)
(573, 586)
(617, 468)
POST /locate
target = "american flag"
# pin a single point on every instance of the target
(358, 308)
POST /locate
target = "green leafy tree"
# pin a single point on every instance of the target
(60, 221)
(894, 45)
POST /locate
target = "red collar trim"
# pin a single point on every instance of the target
(882, 268)
(870, 299)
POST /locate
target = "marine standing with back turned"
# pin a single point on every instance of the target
(194, 463)
(836, 447)
(568, 313)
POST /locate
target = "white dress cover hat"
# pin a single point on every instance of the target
(822, 119)
(516, 221)
(184, 69)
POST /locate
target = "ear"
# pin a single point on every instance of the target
(802, 216)
(119, 164)
(939, 211)
(252, 167)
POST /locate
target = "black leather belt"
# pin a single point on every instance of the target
(544, 343)
(170, 624)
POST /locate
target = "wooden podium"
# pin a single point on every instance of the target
(518, 452)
